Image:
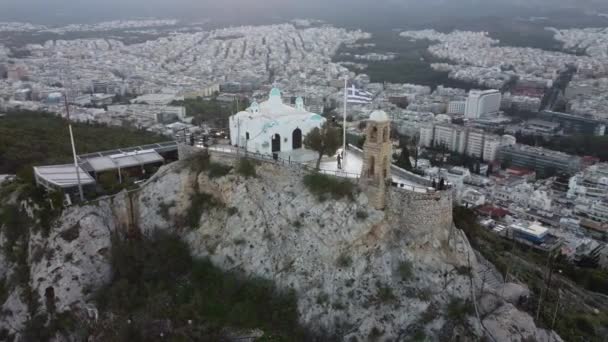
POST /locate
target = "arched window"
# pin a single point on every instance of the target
(385, 134)
(373, 135)
(372, 167)
(385, 167)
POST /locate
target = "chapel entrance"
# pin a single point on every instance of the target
(296, 139)
(276, 143)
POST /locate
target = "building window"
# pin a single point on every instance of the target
(385, 134)
(372, 166)
(374, 134)
(247, 135)
(385, 167)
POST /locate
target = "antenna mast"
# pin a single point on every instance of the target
(77, 169)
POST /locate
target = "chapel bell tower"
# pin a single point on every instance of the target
(376, 172)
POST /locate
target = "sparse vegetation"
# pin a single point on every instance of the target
(458, 310)
(406, 271)
(164, 208)
(200, 202)
(375, 334)
(246, 167)
(3, 291)
(156, 280)
(324, 186)
(385, 293)
(361, 214)
(322, 298)
(424, 294)
(217, 170)
(71, 233)
(199, 162)
(31, 138)
(463, 270)
(529, 266)
(344, 260)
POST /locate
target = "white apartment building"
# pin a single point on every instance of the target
(426, 136)
(481, 103)
(475, 140)
(591, 184)
(490, 148)
(457, 107)
(451, 136)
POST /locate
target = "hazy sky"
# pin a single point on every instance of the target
(51, 11)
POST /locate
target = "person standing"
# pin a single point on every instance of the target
(339, 161)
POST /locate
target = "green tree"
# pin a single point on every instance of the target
(325, 141)
(403, 161)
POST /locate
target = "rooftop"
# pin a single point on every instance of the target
(63, 176)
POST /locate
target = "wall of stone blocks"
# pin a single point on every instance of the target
(422, 212)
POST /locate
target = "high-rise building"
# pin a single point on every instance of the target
(481, 103)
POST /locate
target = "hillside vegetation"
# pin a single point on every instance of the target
(31, 138)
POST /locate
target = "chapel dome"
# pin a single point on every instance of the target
(275, 92)
(379, 116)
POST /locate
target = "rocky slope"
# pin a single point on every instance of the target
(359, 274)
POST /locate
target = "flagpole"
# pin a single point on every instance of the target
(344, 124)
(67, 110)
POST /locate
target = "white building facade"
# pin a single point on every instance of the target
(457, 107)
(482, 102)
(272, 126)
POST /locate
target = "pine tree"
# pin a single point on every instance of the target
(325, 141)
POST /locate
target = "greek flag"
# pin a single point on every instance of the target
(355, 95)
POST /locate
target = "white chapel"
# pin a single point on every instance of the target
(272, 126)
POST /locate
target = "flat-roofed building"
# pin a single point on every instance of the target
(533, 232)
(63, 178)
(544, 161)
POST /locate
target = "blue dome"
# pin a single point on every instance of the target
(275, 92)
(316, 117)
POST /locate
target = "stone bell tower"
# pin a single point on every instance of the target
(377, 154)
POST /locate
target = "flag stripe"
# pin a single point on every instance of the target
(355, 95)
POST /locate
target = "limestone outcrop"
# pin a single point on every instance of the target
(358, 273)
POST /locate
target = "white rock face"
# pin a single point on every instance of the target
(74, 259)
(341, 257)
(345, 261)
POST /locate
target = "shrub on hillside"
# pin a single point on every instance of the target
(217, 170)
(324, 186)
(406, 271)
(200, 202)
(156, 280)
(246, 167)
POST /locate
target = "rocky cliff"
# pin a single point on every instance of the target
(359, 274)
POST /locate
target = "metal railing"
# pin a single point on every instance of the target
(275, 159)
